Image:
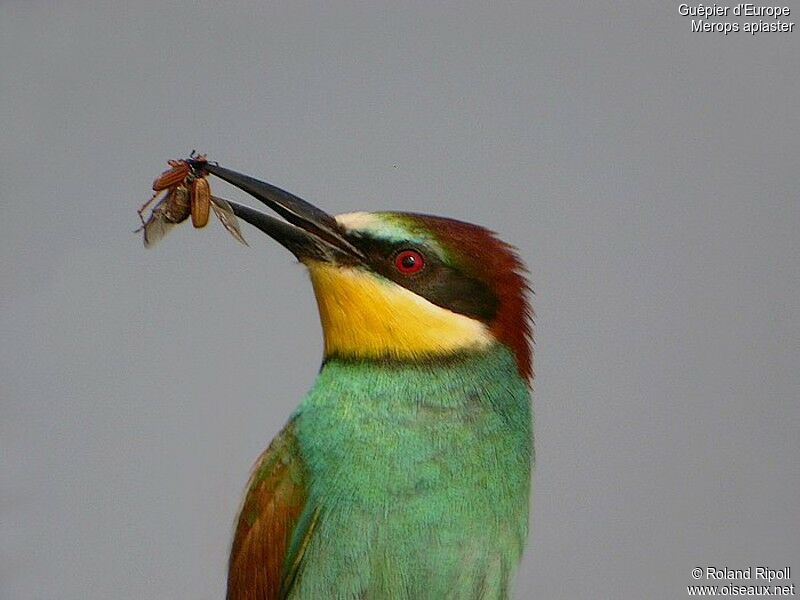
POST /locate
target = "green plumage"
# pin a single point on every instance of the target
(418, 479)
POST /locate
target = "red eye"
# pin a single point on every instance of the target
(409, 262)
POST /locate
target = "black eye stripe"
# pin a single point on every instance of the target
(437, 281)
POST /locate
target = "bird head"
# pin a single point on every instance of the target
(392, 285)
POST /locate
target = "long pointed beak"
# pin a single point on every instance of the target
(302, 244)
(308, 232)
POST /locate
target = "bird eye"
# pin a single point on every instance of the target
(409, 262)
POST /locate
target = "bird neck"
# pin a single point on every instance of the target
(454, 381)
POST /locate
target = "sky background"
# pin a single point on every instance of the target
(647, 174)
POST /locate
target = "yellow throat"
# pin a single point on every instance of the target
(366, 315)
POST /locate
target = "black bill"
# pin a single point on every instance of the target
(308, 232)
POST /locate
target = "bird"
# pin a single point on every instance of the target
(405, 472)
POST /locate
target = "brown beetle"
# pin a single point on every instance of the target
(187, 193)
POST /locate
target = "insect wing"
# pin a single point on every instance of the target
(169, 212)
(225, 215)
(158, 225)
(155, 229)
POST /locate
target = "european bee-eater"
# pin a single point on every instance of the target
(405, 471)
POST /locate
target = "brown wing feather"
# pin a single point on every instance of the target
(276, 496)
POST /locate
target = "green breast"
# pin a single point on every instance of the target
(421, 476)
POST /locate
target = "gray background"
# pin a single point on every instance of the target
(648, 174)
